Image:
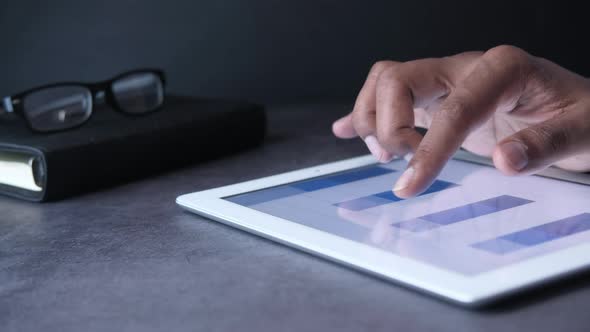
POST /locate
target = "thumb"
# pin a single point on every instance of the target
(343, 127)
(539, 146)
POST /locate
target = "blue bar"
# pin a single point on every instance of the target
(387, 197)
(475, 210)
(342, 178)
(265, 195)
(462, 213)
(416, 225)
(270, 194)
(363, 203)
(498, 246)
(536, 235)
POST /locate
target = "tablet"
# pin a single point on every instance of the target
(474, 236)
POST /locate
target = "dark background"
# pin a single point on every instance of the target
(268, 51)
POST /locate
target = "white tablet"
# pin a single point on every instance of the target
(475, 235)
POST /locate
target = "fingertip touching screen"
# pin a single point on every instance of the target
(471, 220)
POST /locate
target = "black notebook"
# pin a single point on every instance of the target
(112, 147)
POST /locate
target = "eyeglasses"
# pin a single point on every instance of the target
(63, 106)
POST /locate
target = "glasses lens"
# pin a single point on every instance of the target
(139, 93)
(58, 108)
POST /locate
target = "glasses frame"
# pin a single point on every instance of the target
(99, 90)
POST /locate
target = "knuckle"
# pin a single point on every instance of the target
(504, 51)
(427, 159)
(394, 81)
(388, 135)
(395, 139)
(389, 77)
(547, 138)
(379, 66)
(453, 110)
(506, 54)
(423, 151)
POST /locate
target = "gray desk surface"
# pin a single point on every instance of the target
(128, 259)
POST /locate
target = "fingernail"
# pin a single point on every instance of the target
(515, 154)
(376, 150)
(404, 180)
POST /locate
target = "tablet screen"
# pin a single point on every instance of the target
(471, 220)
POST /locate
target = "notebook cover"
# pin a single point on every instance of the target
(112, 148)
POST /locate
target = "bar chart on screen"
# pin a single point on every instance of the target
(470, 220)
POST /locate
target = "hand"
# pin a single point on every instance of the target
(525, 112)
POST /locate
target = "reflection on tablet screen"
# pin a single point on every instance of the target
(471, 220)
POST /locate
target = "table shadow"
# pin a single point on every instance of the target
(535, 295)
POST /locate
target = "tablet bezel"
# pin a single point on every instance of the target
(474, 290)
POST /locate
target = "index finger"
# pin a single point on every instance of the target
(496, 81)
